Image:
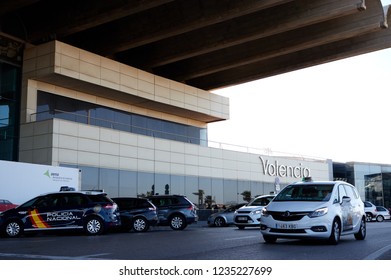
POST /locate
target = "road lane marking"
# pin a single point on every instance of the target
(238, 238)
(45, 257)
(378, 253)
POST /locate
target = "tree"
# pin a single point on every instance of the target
(246, 195)
(200, 195)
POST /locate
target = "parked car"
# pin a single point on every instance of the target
(224, 218)
(310, 209)
(92, 212)
(6, 204)
(370, 210)
(175, 211)
(382, 214)
(136, 213)
(250, 215)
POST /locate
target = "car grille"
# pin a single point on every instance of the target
(244, 212)
(287, 216)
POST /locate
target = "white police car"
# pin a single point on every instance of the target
(311, 209)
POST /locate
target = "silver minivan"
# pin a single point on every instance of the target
(309, 209)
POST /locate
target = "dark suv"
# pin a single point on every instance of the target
(92, 212)
(174, 210)
(136, 213)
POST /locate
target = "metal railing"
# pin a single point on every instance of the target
(166, 135)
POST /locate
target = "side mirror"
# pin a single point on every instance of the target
(346, 199)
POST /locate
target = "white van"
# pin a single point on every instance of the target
(308, 209)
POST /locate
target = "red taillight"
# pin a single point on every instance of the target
(110, 206)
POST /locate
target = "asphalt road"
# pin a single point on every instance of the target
(197, 242)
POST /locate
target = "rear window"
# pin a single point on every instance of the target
(99, 198)
(131, 203)
(313, 192)
(144, 203)
(166, 201)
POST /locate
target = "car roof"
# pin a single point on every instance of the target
(77, 192)
(129, 197)
(166, 195)
(315, 182)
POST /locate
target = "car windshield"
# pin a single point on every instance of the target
(312, 192)
(260, 201)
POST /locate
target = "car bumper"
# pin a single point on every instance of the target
(192, 220)
(304, 228)
(247, 220)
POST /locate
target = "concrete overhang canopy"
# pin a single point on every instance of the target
(205, 43)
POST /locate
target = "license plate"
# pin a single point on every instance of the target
(242, 218)
(286, 226)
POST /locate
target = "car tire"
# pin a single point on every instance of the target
(140, 224)
(177, 222)
(362, 232)
(93, 226)
(379, 218)
(269, 239)
(369, 217)
(335, 232)
(13, 228)
(220, 222)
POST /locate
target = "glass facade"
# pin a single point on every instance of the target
(53, 106)
(373, 181)
(9, 111)
(344, 172)
(378, 189)
(132, 183)
(374, 188)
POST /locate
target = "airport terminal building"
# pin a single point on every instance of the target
(132, 133)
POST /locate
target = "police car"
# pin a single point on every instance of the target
(92, 212)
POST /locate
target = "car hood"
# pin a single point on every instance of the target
(11, 211)
(250, 208)
(295, 206)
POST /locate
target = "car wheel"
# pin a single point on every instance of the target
(369, 217)
(335, 232)
(178, 222)
(140, 224)
(360, 235)
(94, 226)
(220, 222)
(380, 218)
(13, 228)
(269, 239)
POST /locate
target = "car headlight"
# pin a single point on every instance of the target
(319, 212)
(256, 212)
(264, 212)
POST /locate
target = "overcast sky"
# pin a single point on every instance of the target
(339, 110)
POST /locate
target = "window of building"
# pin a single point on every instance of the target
(54, 106)
(9, 111)
(118, 183)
